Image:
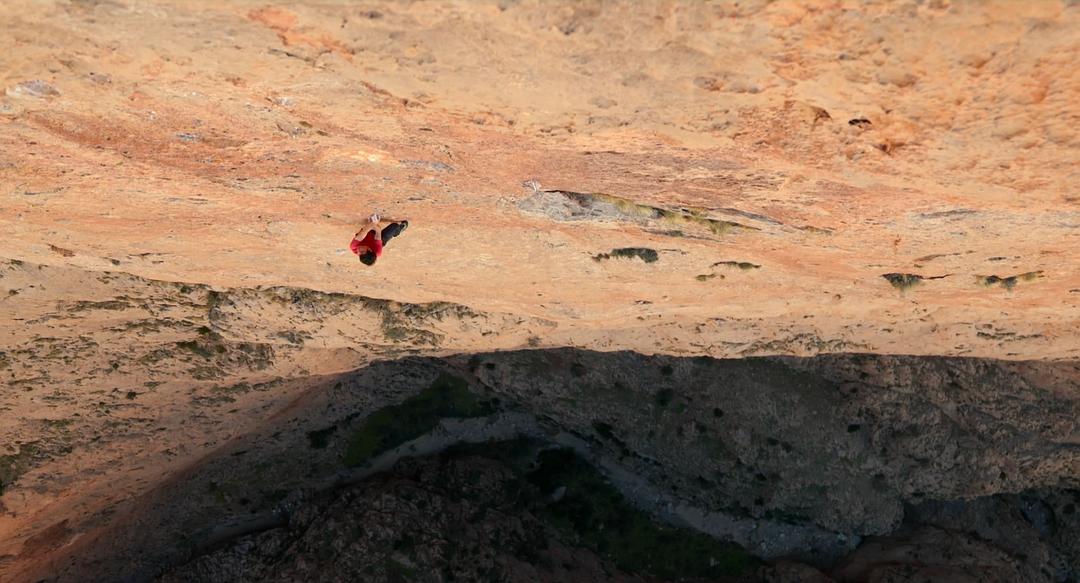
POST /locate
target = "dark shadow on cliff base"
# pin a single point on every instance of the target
(830, 463)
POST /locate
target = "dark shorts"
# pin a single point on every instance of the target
(393, 230)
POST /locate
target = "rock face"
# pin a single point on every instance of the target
(800, 276)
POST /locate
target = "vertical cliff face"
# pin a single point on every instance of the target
(796, 178)
(798, 276)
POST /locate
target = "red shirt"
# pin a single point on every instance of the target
(370, 241)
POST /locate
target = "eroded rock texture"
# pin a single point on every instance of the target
(799, 276)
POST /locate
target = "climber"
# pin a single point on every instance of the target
(369, 241)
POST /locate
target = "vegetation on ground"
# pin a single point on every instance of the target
(903, 281)
(743, 265)
(389, 427)
(591, 512)
(1008, 282)
(643, 253)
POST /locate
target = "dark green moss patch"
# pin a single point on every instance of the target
(903, 281)
(1008, 282)
(391, 426)
(743, 265)
(643, 253)
(594, 514)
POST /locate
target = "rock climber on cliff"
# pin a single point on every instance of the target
(369, 241)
